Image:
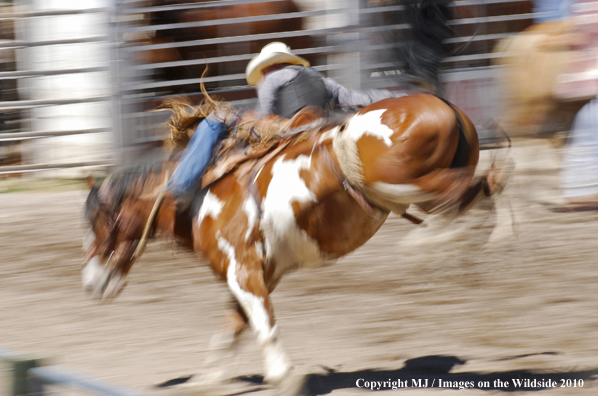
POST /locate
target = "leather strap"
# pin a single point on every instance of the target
(354, 193)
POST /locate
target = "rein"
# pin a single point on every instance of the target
(150, 220)
(356, 195)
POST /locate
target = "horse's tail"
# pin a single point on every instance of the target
(489, 183)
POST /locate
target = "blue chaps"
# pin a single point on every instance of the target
(186, 179)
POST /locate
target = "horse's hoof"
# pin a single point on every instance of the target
(200, 386)
(115, 286)
(98, 292)
(291, 385)
(92, 274)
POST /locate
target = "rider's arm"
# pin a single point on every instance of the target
(346, 97)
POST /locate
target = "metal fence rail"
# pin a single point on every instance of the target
(56, 375)
(29, 376)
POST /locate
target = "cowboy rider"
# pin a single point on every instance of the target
(285, 84)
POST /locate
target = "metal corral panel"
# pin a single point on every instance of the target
(477, 93)
(63, 95)
(93, 107)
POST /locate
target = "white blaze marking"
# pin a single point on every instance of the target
(211, 206)
(250, 209)
(252, 305)
(370, 123)
(92, 273)
(402, 193)
(88, 240)
(289, 244)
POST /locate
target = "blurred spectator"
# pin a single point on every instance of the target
(551, 9)
(421, 48)
(579, 176)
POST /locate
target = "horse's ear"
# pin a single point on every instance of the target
(91, 181)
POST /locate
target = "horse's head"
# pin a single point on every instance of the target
(116, 213)
(100, 275)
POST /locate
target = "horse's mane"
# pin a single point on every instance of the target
(250, 128)
(185, 118)
(135, 180)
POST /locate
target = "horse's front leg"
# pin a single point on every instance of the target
(246, 282)
(222, 349)
(116, 274)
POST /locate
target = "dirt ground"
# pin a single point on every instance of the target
(453, 309)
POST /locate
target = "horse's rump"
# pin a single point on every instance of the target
(430, 157)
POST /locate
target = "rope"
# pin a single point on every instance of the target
(150, 221)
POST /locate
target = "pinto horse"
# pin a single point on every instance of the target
(314, 200)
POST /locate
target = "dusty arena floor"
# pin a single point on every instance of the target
(455, 309)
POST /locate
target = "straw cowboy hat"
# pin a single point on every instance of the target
(271, 54)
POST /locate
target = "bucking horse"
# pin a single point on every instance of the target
(310, 197)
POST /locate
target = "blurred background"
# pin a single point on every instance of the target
(79, 79)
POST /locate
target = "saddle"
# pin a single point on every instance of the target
(254, 140)
(258, 138)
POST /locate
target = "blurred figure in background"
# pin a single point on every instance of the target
(529, 64)
(579, 175)
(425, 41)
(417, 52)
(551, 9)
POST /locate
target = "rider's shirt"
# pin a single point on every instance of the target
(269, 87)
